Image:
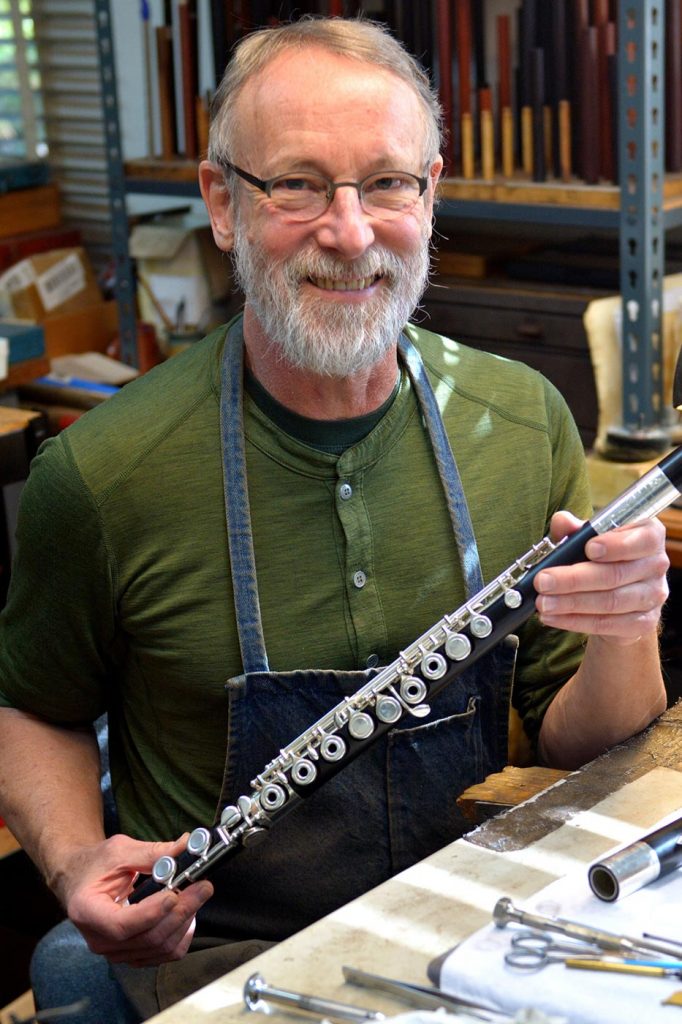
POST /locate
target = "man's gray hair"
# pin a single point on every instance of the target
(359, 39)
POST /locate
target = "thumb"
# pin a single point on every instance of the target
(563, 524)
(150, 852)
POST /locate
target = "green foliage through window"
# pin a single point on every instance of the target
(21, 122)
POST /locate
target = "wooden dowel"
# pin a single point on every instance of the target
(444, 24)
(464, 43)
(485, 106)
(164, 70)
(538, 112)
(507, 142)
(467, 142)
(565, 164)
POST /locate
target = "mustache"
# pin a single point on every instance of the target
(376, 262)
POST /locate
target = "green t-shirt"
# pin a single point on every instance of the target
(121, 594)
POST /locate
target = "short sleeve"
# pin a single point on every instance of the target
(57, 628)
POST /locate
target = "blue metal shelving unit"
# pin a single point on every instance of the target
(125, 281)
(641, 161)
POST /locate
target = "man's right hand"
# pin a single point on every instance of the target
(95, 885)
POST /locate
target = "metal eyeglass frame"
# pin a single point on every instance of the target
(265, 184)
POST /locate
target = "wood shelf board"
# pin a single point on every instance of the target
(531, 193)
(519, 190)
(162, 170)
(13, 419)
(574, 193)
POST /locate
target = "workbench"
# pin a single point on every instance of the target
(397, 928)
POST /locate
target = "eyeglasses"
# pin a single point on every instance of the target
(305, 196)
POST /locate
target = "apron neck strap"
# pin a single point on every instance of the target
(237, 513)
(460, 518)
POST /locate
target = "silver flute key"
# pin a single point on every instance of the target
(403, 690)
(259, 997)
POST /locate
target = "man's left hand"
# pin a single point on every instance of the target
(617, 593)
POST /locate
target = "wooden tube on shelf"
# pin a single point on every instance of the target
(504, 96)
(538, 112)
(580, 21)
(606, 47)
(487, 129)
(527, 32)
(188, 53)
(164, 66)
(444, 24)
(561, 94)
(588, 112)
(464, 43)
(565, 130)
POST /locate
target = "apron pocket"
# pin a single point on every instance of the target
(418, 761)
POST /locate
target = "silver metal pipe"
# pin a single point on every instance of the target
(258, 996)
(634, 866)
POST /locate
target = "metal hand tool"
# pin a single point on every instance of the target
(531, 951)
(424, 996)
(626, 967)
(505, 912)
(258, 996)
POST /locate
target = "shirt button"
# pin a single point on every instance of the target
(359, 579)
(345, 492)
(372, 661)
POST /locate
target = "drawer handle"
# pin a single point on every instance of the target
(530, 329)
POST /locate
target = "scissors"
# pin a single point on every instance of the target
(531, 951)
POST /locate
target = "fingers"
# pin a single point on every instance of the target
(618, 592)
(158, 929)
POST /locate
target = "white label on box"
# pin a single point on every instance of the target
(18, 277)
(4, 358)
(62, 281)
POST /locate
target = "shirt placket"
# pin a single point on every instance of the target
(360, 571)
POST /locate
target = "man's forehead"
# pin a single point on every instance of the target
(318, 93)
(315, 78)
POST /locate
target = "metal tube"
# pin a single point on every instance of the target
(258, 995)
(634, 866)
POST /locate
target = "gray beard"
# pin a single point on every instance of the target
(331, 339)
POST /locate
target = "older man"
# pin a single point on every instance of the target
(334, 527)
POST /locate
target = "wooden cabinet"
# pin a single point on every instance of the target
(536, 325)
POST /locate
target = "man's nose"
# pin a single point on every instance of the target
(344, 226)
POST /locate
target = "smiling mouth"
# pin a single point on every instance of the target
(355, 284)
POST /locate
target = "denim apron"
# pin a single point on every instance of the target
(393, 805)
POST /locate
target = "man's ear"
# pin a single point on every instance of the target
(218, 200)
(435, 171)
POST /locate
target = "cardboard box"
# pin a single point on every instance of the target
(60, 280)
(30, 209)
(89, 329)
(181, 273)
(17, 247)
